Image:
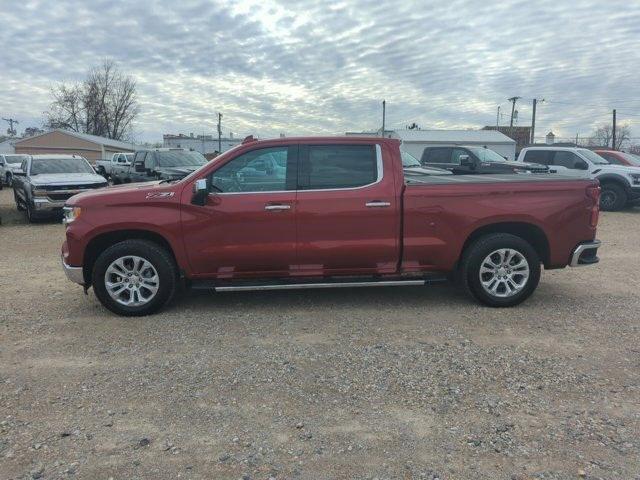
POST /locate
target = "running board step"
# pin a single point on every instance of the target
(245, 287)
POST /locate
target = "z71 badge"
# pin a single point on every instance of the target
(160, 195)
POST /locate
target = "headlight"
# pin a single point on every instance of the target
(70, 214)
(635, 178)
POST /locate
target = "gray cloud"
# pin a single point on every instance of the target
(305, 67)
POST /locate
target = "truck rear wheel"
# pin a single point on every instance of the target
(612, 197)
(134, 278)
(500, 270)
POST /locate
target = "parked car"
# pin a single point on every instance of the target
(9, 164)
(118, 162)
(343, 215)
(615, 157)
(45, 182)
(461, 160)
(158, 164)
(620, 184)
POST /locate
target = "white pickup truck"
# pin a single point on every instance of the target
(620, 184)
(118, 163)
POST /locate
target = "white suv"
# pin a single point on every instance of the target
(620, 184)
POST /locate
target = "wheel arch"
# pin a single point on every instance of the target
(103, 241)
(527, 231)
(609, 178)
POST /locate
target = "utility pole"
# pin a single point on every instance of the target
(11, 131)
(498, 117)
(219, 132)
(533, 121)
(513, 101)
(384, 113)
(613, 136)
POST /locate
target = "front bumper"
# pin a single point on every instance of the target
(44, 204)
(634, 194)
(585, 254)
(74, 274)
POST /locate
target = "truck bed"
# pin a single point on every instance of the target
(486, 178)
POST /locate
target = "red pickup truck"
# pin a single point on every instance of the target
(325, 212)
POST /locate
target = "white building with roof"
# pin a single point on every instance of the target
(67, 142)
(415, 141)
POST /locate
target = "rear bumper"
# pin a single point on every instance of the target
(73, 273)
(585, 254)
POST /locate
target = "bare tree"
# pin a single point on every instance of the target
(603, 136)
(104, 104)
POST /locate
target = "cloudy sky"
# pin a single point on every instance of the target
(322, 67)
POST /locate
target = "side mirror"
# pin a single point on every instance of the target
(200, 192)
(140, 167)
(465, 160)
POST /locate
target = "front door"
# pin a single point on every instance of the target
(247, 227)
(347, 211)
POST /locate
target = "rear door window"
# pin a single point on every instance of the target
(437, 155)
(325, 167)
(538, 156)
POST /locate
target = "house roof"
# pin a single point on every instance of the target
(453, 136)
(107, 142)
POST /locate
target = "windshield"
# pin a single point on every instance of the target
(180, 159)
(631, 158)
(592, 156)
(409, 160)
(60, 165)
(15, 158)
(487, 155)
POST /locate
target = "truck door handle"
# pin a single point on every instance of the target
(377, 204)
(277, 207)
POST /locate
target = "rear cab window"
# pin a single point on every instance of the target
(542, 157)
(329, 167)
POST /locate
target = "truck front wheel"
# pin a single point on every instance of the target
(500, 270)
(134, 278)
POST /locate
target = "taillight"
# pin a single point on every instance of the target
(593, 192)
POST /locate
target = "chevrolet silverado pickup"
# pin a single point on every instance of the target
(43, 183)
(338, 212)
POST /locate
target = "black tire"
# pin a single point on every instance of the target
(151, 252)
(479, 250)
(9, 179)
(19, 205)
(613, 197)
(31, 215)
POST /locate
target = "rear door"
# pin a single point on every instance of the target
(347, 215)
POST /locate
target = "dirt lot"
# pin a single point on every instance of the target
(374, 383)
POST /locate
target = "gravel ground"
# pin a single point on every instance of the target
(352, 384)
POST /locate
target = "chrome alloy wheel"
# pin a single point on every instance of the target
(131, 281)
(504, 272)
